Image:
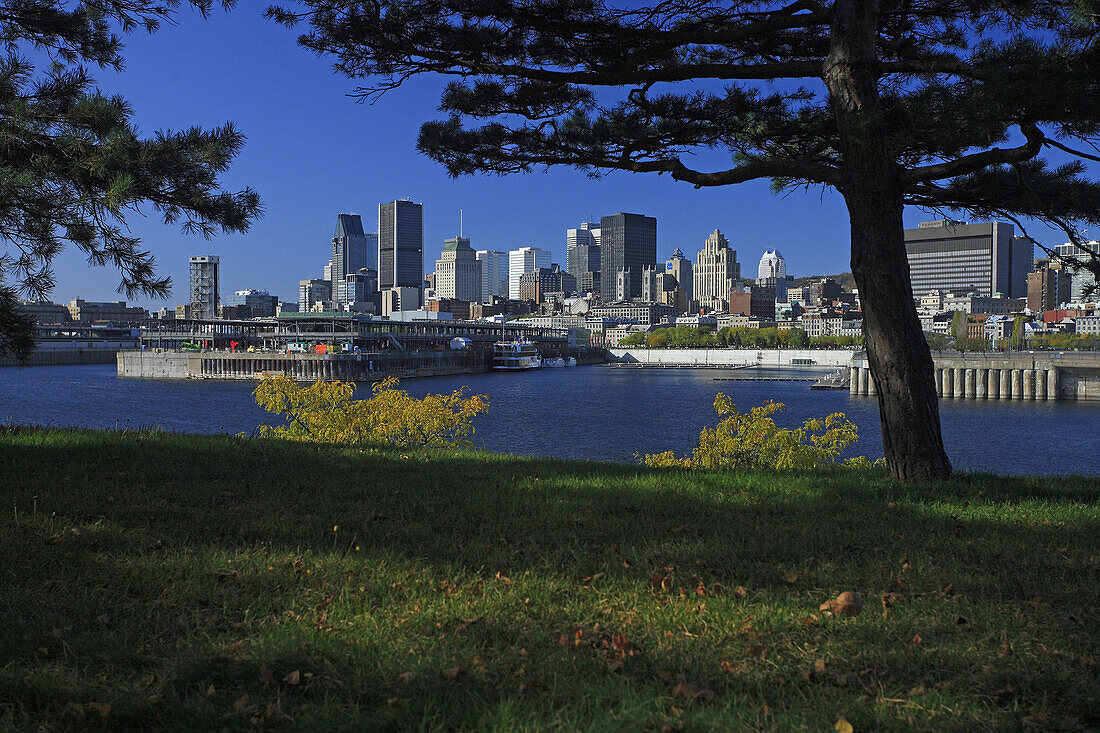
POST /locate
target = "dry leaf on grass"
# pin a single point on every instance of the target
(846, 604)
(843, 726)
(689, 691)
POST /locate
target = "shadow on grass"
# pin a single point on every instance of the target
(175, 575)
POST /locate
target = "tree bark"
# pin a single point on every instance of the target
(901, 362)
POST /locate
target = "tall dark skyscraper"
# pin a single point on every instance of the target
(628, 242)
(352, 250)
(400, 245)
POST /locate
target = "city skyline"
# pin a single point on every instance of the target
(301, 125)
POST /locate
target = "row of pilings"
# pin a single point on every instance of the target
(978, 383)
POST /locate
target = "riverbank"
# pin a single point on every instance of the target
(200, 582)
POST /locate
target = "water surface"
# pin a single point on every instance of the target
(597, 412)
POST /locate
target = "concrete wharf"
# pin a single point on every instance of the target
(1021, 376)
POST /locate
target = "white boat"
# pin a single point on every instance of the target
(515, 356)
(554, 361)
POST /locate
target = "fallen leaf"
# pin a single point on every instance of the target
(889, 600)
(846, 604)
(790, 576)
(728, 667)
(293, 678)
(843, 726)
(614, 665)
(240, 704)
(916, 640)
(210, 691)
(758, 650)
(740, 590)
(690, 692)
(470, 620)
(453, 672)
(819, 665)
(406, 678)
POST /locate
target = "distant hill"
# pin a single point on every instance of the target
(845, 279)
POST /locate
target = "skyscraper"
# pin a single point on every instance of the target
(457, 271)
(772, 264)
(352, 250)
(401, 246)
(204, 271)
(524, 259)
(628, 245)
(715, 272)
(962, 258)
(494, 274)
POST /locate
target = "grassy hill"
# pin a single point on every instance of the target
(155, 580)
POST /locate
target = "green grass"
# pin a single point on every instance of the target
(201, 583)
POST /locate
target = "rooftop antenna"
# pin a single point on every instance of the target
(460, 221)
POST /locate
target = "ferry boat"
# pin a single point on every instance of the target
(515, 356)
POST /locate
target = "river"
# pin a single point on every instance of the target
(598, 412)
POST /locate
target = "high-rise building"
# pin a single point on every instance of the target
(204, 270)
(352, 250)
(458, 272)
(494, 274)
(401, 247)
(1047, 289)
(582, 255)
(628, 245)
(772, 264)
(361, 291)
(1082, 282)
(524, 259)
(313, 291)
(962, 258)
(715, 271)
(680, 268)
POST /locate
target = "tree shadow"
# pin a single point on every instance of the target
(152, 556)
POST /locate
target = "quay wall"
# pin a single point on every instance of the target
(719, 358)
(65, 357)
(1040, 376)
(1033, 377)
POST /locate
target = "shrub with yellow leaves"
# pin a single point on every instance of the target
(326, 412)
(753, 440)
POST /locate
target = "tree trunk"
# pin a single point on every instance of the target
(901, 363)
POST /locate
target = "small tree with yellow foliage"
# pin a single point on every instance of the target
(753, 440)
(326, 412)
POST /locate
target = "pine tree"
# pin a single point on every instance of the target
(72, 166)
(943, 104)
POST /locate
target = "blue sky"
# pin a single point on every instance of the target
(313, 152)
